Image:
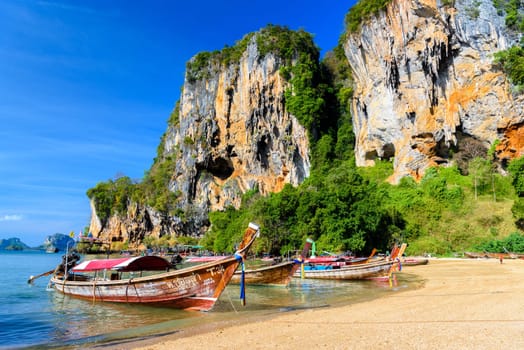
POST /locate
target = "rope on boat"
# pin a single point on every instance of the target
(242, 280)
(231, 301)
(129, 281)
(136, 291)
(127, 289)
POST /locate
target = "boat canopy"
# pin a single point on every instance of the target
(138, 263)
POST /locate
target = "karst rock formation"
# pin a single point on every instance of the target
(425, 83)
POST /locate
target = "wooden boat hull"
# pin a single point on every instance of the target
(279, 274)
(414, 262)
(475, 255)
(194, 288)
(502, 255)
(493, 255)
(356, 272)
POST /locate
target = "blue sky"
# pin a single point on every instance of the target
(86, 88)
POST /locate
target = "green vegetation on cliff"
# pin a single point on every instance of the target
(111, 197)
(516, 169)
(513, 11)
(512, 61)
(345, 208)
(285, 43)
(362, 11)
(512, 243)
(278, 40)
(341, 210)
(114, 196)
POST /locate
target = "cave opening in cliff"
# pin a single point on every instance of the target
(442, 150)
(230, 92)
(371, 155)
(262, 152)
(411, 116)
(388, 151)
(467, 149)
(230, 150)
(215, 138)
(393, 76)
(220, 167)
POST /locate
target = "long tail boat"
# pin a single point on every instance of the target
(351, 272)
(333, 259)
(414, 261)
(193, 288)
(354, 272)
(474, 255)
(278, 274)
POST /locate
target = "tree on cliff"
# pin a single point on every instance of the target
(516, 168)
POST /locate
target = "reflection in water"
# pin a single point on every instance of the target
(79, 322)
(76, 318)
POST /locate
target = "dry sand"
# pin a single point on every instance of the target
(464, 304)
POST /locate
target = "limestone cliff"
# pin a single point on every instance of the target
(425, 80)
(425, 85)
(234, 134)
(230, 134)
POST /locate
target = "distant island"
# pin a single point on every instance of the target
(58, 242)
(52, 244)
(13, 244)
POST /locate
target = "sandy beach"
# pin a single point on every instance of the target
(463, 304)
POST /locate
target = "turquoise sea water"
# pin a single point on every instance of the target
(32, 316)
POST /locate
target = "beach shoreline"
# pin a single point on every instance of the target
(464, 304)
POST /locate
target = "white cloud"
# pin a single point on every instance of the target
(10, 217)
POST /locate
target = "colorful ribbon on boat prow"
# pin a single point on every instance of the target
(242, 280)
(397, 266)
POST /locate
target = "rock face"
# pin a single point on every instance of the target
(58, 242)
(425, 80)
(233, 134)
(425, 84)
(139, 222)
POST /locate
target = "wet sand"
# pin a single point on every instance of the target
(464, 304)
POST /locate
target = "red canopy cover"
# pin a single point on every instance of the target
(138, 263)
